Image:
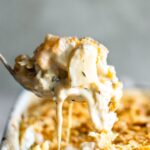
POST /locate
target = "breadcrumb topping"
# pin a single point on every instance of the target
(131, 131)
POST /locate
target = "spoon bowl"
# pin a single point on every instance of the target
(27, 83)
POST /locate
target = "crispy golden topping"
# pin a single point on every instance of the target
(133, 127)
(132, 130)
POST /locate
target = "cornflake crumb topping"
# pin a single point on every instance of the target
(132, 130)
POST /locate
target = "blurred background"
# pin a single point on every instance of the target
(123, 26)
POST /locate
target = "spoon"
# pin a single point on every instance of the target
(28, 83)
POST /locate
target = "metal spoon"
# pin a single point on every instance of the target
(27, 83)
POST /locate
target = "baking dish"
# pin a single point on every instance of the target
(10, 139)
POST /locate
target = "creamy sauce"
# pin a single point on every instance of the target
(75, 69)
(59, 106)
(69, 121)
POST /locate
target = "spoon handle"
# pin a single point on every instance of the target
(8, 67)
(22, 80)
(10, 70)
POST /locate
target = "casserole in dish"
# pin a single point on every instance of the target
(32, 124)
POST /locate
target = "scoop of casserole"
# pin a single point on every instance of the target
(68, 68)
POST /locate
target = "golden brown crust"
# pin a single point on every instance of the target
(132, 128)
(42, 53)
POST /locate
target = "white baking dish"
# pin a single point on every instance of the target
(10, 140)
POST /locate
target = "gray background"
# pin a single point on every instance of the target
(121, 25)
